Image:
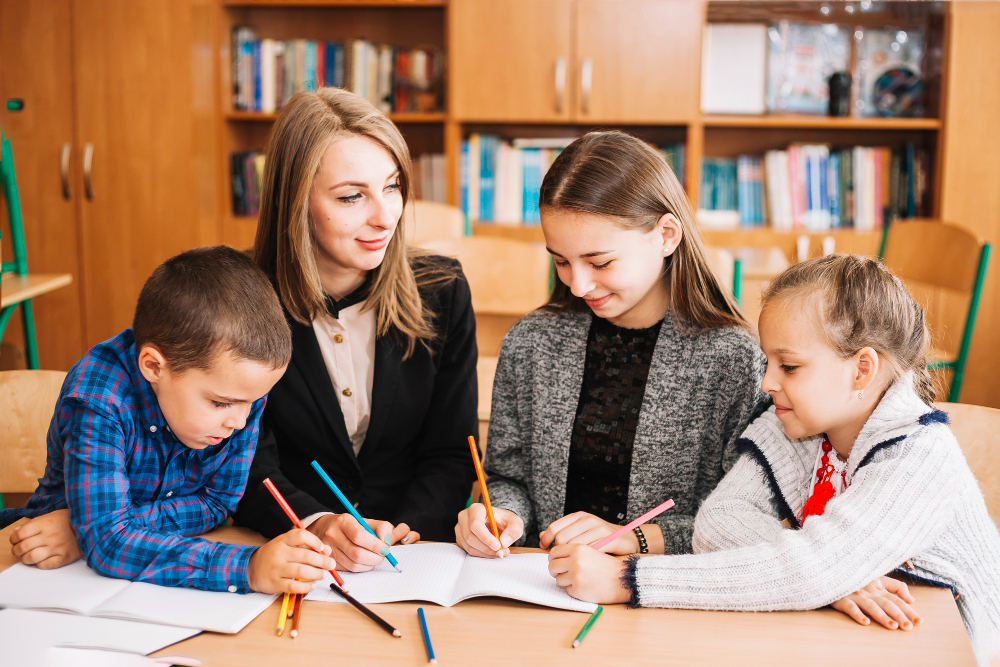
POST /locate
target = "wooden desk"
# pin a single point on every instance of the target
(494, 631)
(15, 288)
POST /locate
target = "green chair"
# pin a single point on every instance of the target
(946, 256)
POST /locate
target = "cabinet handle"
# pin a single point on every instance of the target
(64, 169)
(560, 84)
(88, 162)
(586, 83)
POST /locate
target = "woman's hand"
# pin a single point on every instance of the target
(588, 574)
(585, 528)
(473, 534)
(353, 547)
(885, 600)
(47, 541)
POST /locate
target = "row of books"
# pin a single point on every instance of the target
(814, 187)
(267, 72)
(430, 177)
(501, 178)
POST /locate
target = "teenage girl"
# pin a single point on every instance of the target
(850, 474)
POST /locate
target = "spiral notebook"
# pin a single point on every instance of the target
(444, 574)
(78, 589)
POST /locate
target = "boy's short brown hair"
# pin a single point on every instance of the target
(209, 300)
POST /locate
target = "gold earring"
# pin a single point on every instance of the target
(861, 394)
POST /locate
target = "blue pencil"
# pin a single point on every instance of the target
(350, 508)
(427, 635)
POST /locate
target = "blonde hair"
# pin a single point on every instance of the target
(285, 243)
(620, 177)
(863, 305)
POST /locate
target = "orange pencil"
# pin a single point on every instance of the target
(295, 520)
(486, 494)
(297, 616)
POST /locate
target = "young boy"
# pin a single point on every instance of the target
(153, 434)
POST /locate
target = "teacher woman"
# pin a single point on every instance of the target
(381, 389)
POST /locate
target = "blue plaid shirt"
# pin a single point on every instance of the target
(135, 493)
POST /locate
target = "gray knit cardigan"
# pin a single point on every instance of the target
(700, 394)
(910, 497)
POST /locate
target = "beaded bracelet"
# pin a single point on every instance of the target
(643, 547)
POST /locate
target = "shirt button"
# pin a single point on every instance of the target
(347, 392)
(233, 589)
(152, 429)
(169, 493)
(338, 339)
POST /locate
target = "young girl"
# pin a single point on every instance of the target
(633, 383)
(850, 474)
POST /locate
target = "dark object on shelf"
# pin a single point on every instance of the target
(15, 104)
(840, 93)
(898, 93)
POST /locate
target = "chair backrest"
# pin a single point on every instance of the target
(935, 253)
(431, 220)
(28, 399)
(977, 428)
(507, 277)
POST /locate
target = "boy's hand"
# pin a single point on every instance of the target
(296, 555)
(474, 535)
(885, 600)
(47, 541)
(584, 528)
(354, 548)
(588, 574)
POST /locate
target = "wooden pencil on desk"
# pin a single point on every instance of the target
(283, 615)
(297, 615)
(586, 628)
(427, 635)
(366, 611)
(486, 494)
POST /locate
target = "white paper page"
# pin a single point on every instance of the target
(186, 607)
(60, 656)
(25, 635)
(522, 577)
(429, 573)
(74, 587)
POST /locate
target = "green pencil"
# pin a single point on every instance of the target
(590, 622)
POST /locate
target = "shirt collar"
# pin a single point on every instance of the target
(334, 306)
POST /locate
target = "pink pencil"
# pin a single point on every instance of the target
(656, 511)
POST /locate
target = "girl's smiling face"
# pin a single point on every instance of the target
(617, 272)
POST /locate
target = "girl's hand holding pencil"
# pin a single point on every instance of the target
(588, 574)
(586, 528)
(472, 532)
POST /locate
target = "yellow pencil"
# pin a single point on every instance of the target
(284, 614)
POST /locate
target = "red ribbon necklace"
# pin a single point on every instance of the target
(823, 490)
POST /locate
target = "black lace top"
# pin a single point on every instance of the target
(600, 455)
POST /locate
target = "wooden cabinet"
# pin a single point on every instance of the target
(621, 61)
(126, 91)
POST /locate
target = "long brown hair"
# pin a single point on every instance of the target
(619, 176)
(285, 245)
(863, 305)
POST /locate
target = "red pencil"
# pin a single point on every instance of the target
(295, 520)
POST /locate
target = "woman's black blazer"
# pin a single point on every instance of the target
(414, 466)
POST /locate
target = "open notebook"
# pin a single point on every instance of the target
(445, 574)
(76, 588)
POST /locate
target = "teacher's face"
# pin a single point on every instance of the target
(354, 206)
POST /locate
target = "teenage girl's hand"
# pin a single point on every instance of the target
(588, 574)
(472, 532)
(289, 563)
(885, 600)
(584, 528)
(354, 548)
(47, 541)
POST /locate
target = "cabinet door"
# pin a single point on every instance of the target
(510, 60)
(642, 59)
(36, 67)
(144, 102)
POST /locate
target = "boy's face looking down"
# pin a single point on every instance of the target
(204, 407)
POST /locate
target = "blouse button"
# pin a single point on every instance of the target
(338, 339)
(347, 392)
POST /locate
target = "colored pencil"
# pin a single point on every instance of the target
(350, 508)
(297, 616)
(283, 615)
(586, 627)
(659, 509)
(366, 611)
(295, 520)
(427, 635)
(486, 494)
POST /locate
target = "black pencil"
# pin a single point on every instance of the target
(366, 611)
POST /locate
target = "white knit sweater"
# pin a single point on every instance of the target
(910, 496)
